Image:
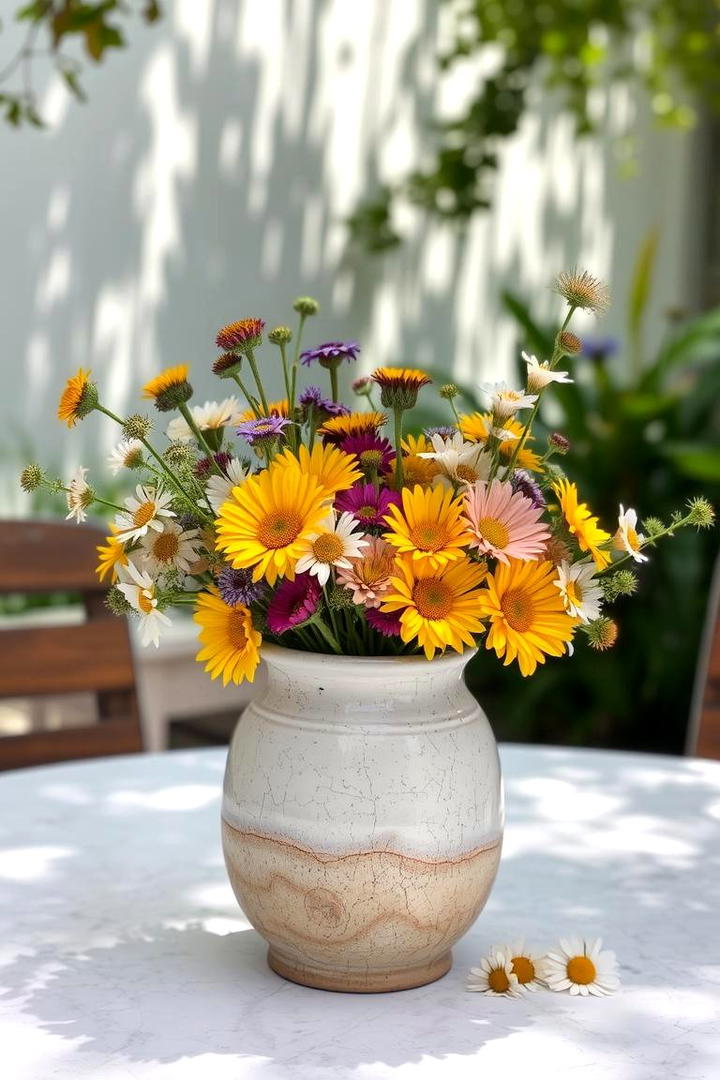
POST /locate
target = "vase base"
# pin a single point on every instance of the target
(360, 982)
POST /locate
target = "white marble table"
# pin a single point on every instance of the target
(123, 955)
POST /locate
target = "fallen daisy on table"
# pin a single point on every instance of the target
(495, 976)
(527, 966)
(579, 966)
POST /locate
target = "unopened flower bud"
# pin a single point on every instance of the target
(559, 443)
(701, 513)
(137, 427)
(116, 603)
(570, 343)
(280, 335)
(305, 305)
(602, 633)
(362, 386)
(448, 391)
(32, 477)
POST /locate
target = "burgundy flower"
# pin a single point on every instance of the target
(386, 623)
(372, 451)
(367, 504)
(238, 336)
(293, 603)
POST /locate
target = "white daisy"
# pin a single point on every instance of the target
(145, 510)
(527, 966)
(172, 547)
(505, 402)
(128, 454)
(332, 545)
(79, 495)
(579, 966)
(219, 488)
(495, 977)
(627, 538)
(461, 461)
(208, 417)
(580, 590)
(138, 588)
(539, 375)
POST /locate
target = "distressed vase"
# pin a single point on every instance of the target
(362, 817)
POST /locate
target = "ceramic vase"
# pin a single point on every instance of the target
(362, 817)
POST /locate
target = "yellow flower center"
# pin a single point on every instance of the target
(279, 529)
(432, 598)
(498, 981)
(580, 969)
(145, 601)
(236, 631)
(328, 547)
(466, 472)
(574, 593)
(523, 968)
(494, 532)
(166, 547)
(516, 606)
(144, 513)
(428, 536)
(632, 538)
(366, 513)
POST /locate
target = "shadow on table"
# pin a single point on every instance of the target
(590, 846)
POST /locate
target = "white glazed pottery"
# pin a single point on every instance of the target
(362, 816)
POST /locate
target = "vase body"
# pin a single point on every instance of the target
(362, 817)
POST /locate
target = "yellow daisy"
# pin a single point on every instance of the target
(275, 408)
(111, 555)
(333, 469)
(430, 527)
(438, 607)
(416, 444)
(264, 522)
(476, 427)
(79, 397)
(170, 388)
(338, 428)
(231, 644)
(582, 524)
(526, 612)
(419, 470)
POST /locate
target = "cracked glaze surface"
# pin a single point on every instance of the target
(362, 816)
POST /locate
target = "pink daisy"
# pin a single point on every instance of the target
(369, 575)
(367, 504)
(371, 450)
(386, 623)
(293, 603)
(504, 523)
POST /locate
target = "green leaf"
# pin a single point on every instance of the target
(33, 12)
(701, 462)
(640, 293)
(73, 85)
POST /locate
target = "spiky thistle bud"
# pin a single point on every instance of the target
(559, 443)
(653, 527)
(280, 335)
(602, 633)
(581, 290)
(32, 477)
(448, 391)
(137, 426)
(700, 513)
(116, 602)
(621, 583)
(305, 306)
(180, 455)
(570, 343)
(340, 600)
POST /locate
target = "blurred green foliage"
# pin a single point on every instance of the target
(645, 433)
(51, 25)
(668, 49)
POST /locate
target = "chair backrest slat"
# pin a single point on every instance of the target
(704, 729)
(66, 659)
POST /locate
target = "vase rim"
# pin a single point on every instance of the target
(447, 659)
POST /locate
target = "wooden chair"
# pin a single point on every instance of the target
(94, 656)
(704, 729)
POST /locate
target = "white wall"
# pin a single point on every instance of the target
(207, 179)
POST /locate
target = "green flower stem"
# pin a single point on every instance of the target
(295, 363)
(651, 541)
(286, 369)
(326, 633)
(312, 425)
(258, 381)
(252, 402)
(455, 412)
(151, 450)
(399, 475)
(334, 382)
(202, 441)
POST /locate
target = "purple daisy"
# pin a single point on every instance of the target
(237, 587)
(312, 397)
(383, 455)
(331, 353)
(386, 623)
(262, 428)
(523, 482)
(293, 603)
(446, 431)
(367, 504)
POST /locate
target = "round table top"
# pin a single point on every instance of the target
(124, 955)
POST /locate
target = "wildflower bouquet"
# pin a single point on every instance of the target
(322, 528)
